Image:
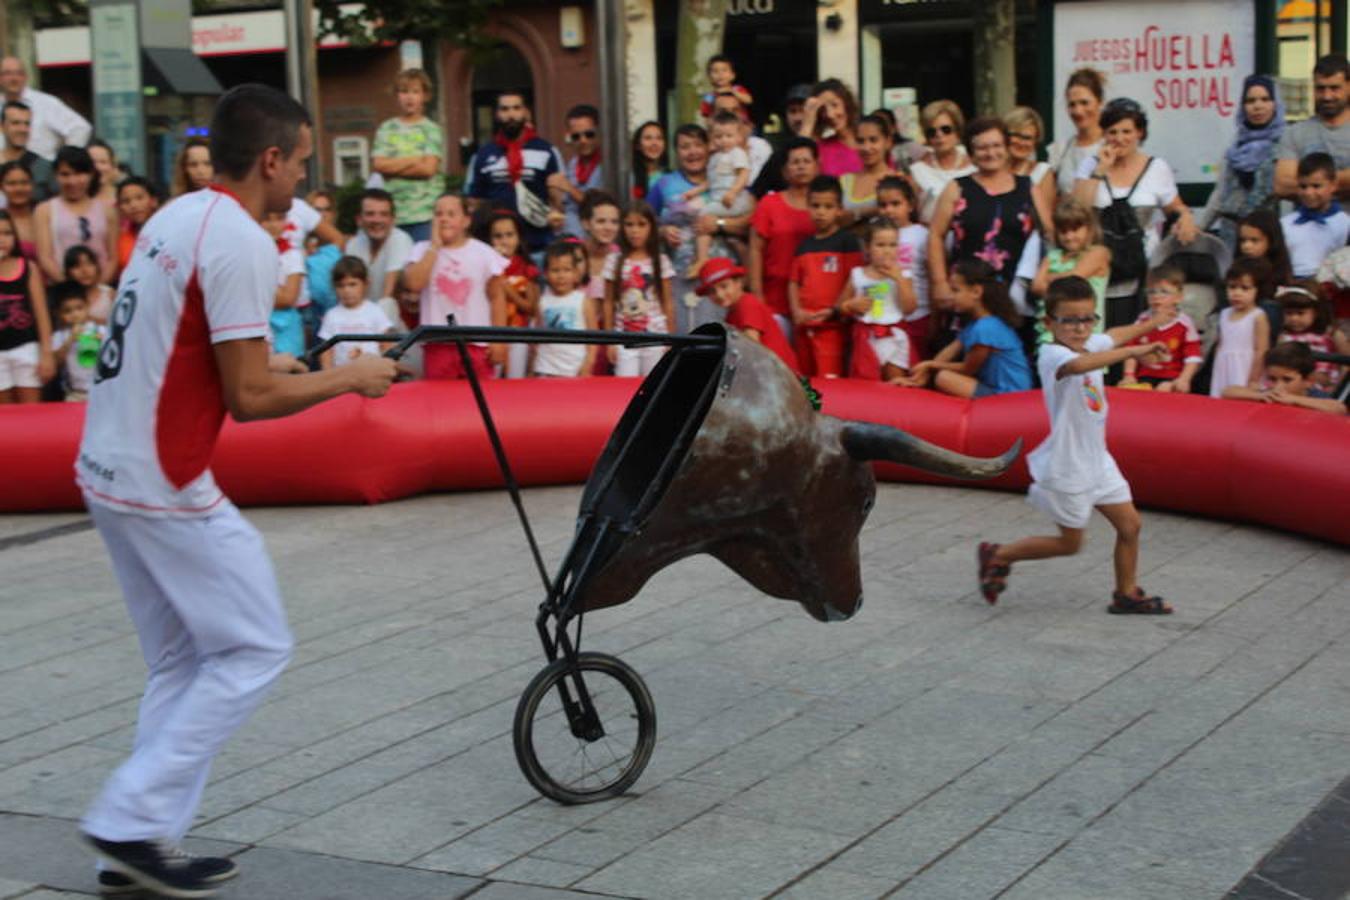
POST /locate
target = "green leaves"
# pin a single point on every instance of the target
(458, 21)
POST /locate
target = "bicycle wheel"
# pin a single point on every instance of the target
(585, 731)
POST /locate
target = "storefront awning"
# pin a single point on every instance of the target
(177, 71)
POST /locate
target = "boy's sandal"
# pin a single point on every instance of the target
(1138, 604)
(992, 575)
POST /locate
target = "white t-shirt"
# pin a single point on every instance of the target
(722, 169)
(1073, 458)
(1311, 242)
(1157, 188)
(885, 308)
(930, 181)
(392, 257)
(290, 261)
(367, 318)
(301, 219)
(564, 313)
(761, 151)
(53, 124)
(458, 284)
(913, 255)
(77, 377)
(203, 272)
(1065, 157)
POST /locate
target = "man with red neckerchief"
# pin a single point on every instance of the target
(511, 171)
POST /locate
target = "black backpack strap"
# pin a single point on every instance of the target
(1142, 173)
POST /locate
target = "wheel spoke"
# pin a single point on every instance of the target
(573, 769)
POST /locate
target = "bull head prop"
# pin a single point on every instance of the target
(722, 452)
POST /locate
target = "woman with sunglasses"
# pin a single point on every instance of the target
(74, 216)
(831, 117)
(1121, 175)
(1083, 95)
(1246, 180)
(942, 122)
(1025, 133)
(16, 182)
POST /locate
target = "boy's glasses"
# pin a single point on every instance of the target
(1077, 320)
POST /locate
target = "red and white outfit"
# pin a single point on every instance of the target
(1182, 340)
(197, 580)
(638, 308)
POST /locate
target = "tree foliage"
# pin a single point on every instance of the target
(458, 21)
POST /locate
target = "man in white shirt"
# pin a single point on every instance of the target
(377, 243)
(54, 124)
(187, 344)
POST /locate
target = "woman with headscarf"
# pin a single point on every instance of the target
(1246, 180)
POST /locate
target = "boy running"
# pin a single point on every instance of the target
(1072, 471)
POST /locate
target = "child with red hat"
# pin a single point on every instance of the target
(722, 281)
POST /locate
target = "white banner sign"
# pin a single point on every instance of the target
(1182, 61)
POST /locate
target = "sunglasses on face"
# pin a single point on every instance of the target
(580, 136)
(1029, 137)
(935, 130)
(1077, 320)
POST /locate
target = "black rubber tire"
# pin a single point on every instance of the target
(592, 667)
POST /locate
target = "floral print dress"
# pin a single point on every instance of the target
(993, 227)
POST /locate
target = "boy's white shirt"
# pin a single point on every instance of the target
(1073, 458)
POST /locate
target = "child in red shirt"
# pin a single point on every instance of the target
(724, 282)
(1171, 371)
(820, 270)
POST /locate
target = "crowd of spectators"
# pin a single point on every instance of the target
(843, 246)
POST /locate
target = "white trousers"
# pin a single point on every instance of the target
(205, 603)
(633, 361)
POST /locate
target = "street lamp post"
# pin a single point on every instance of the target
(610, 34)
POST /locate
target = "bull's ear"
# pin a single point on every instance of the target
(868, 441)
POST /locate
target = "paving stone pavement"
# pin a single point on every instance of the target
(933, 747)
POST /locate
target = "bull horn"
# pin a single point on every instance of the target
(867, 441)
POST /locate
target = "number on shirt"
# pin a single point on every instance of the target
(110, 354)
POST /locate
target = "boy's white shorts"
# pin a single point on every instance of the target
(1074, 510)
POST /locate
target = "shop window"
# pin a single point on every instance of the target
(351, 159)
(505, 69)
(1303, 30)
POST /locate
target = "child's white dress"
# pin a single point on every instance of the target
(1237, 350)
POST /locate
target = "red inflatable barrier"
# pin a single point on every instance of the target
(1282, 467)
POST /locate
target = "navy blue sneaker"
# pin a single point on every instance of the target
(158, 867)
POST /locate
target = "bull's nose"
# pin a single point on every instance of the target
(834, 614)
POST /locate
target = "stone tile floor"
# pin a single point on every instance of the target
(933, 747)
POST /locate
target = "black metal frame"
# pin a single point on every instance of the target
(592, 532)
